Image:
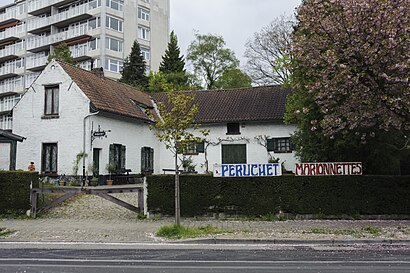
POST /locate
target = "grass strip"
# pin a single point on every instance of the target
(180, 232)
(4, 232)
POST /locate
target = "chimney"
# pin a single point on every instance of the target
(99, 71)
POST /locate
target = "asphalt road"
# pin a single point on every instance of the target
(203, 258)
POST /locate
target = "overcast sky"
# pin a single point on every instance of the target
(235, 20)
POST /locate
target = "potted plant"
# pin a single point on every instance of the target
(110, 169)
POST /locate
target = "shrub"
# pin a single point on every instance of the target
(256, 196)
(15, 190)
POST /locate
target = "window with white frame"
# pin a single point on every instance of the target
(113, 65)
(113, 44)
(6, 122)
(115, 4)
(143, 14)
(145, 52)
(87, 64)
(113, 23)
(94, 4)
(94, 44)
(7, 103)
(143, 33)
(94, 23)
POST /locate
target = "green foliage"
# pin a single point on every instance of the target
(4, 232)
(162, 82)
(330, 195)
(172, 64)
(350, 96)
(233, 78)
(77, 160)
(175, 129)
(210, 58)
(269, 52)
(134, 69)
(179, 232)
(15, 190)
(62, 53)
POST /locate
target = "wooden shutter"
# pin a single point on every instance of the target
(200, 147)
(151, 160)
(123, 156)
(111, 156)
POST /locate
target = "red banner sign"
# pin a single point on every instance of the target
(327, 168)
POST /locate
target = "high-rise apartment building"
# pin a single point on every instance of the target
(100, 33)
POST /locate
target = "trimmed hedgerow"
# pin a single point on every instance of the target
(327, 195)
(15, 190)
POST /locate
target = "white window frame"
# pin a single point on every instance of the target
(146, 53)
(109, 42)
(144, 14)
(113, 3)
(112, 63)
(144, 33)
(109, 23)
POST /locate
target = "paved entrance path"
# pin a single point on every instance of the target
(90, 218)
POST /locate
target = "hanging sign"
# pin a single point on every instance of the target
(329, 168)
(247, 170)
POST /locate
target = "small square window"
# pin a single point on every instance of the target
(195, 149)
(280, 145)
(233, 129)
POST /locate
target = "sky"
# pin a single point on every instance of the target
(235, 20)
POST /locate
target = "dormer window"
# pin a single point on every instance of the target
(233, 129)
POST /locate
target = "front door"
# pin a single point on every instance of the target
(96, 162)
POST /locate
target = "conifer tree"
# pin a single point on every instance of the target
(62, 53)
(133, 72)
(172, 64)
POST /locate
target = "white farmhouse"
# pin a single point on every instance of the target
(245, 125)
(69, 112)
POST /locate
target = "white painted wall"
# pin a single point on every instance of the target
(256, 153)
(66, 131)
(134, 135)
(4, 156)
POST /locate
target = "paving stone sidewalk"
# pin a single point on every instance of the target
(89, 218)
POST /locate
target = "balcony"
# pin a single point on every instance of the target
(40, 43)
(11, 86)
(36, 61)
(9, 15)
(12, 68)
(11, 51)
(64, 18)
(36, 7)
(6, 122)
(12, 33)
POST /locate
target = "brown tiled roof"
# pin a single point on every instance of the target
(265, 103)
(109, 95)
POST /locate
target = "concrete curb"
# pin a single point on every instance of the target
(294, 241)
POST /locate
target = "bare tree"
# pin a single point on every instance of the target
(268, 52)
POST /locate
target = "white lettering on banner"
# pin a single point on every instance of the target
(245, 170)
(326, 168)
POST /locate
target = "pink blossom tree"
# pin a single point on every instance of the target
(352, 69)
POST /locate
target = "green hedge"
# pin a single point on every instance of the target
(328, 195)
(15, 190)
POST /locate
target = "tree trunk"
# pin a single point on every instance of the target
(177, 204)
